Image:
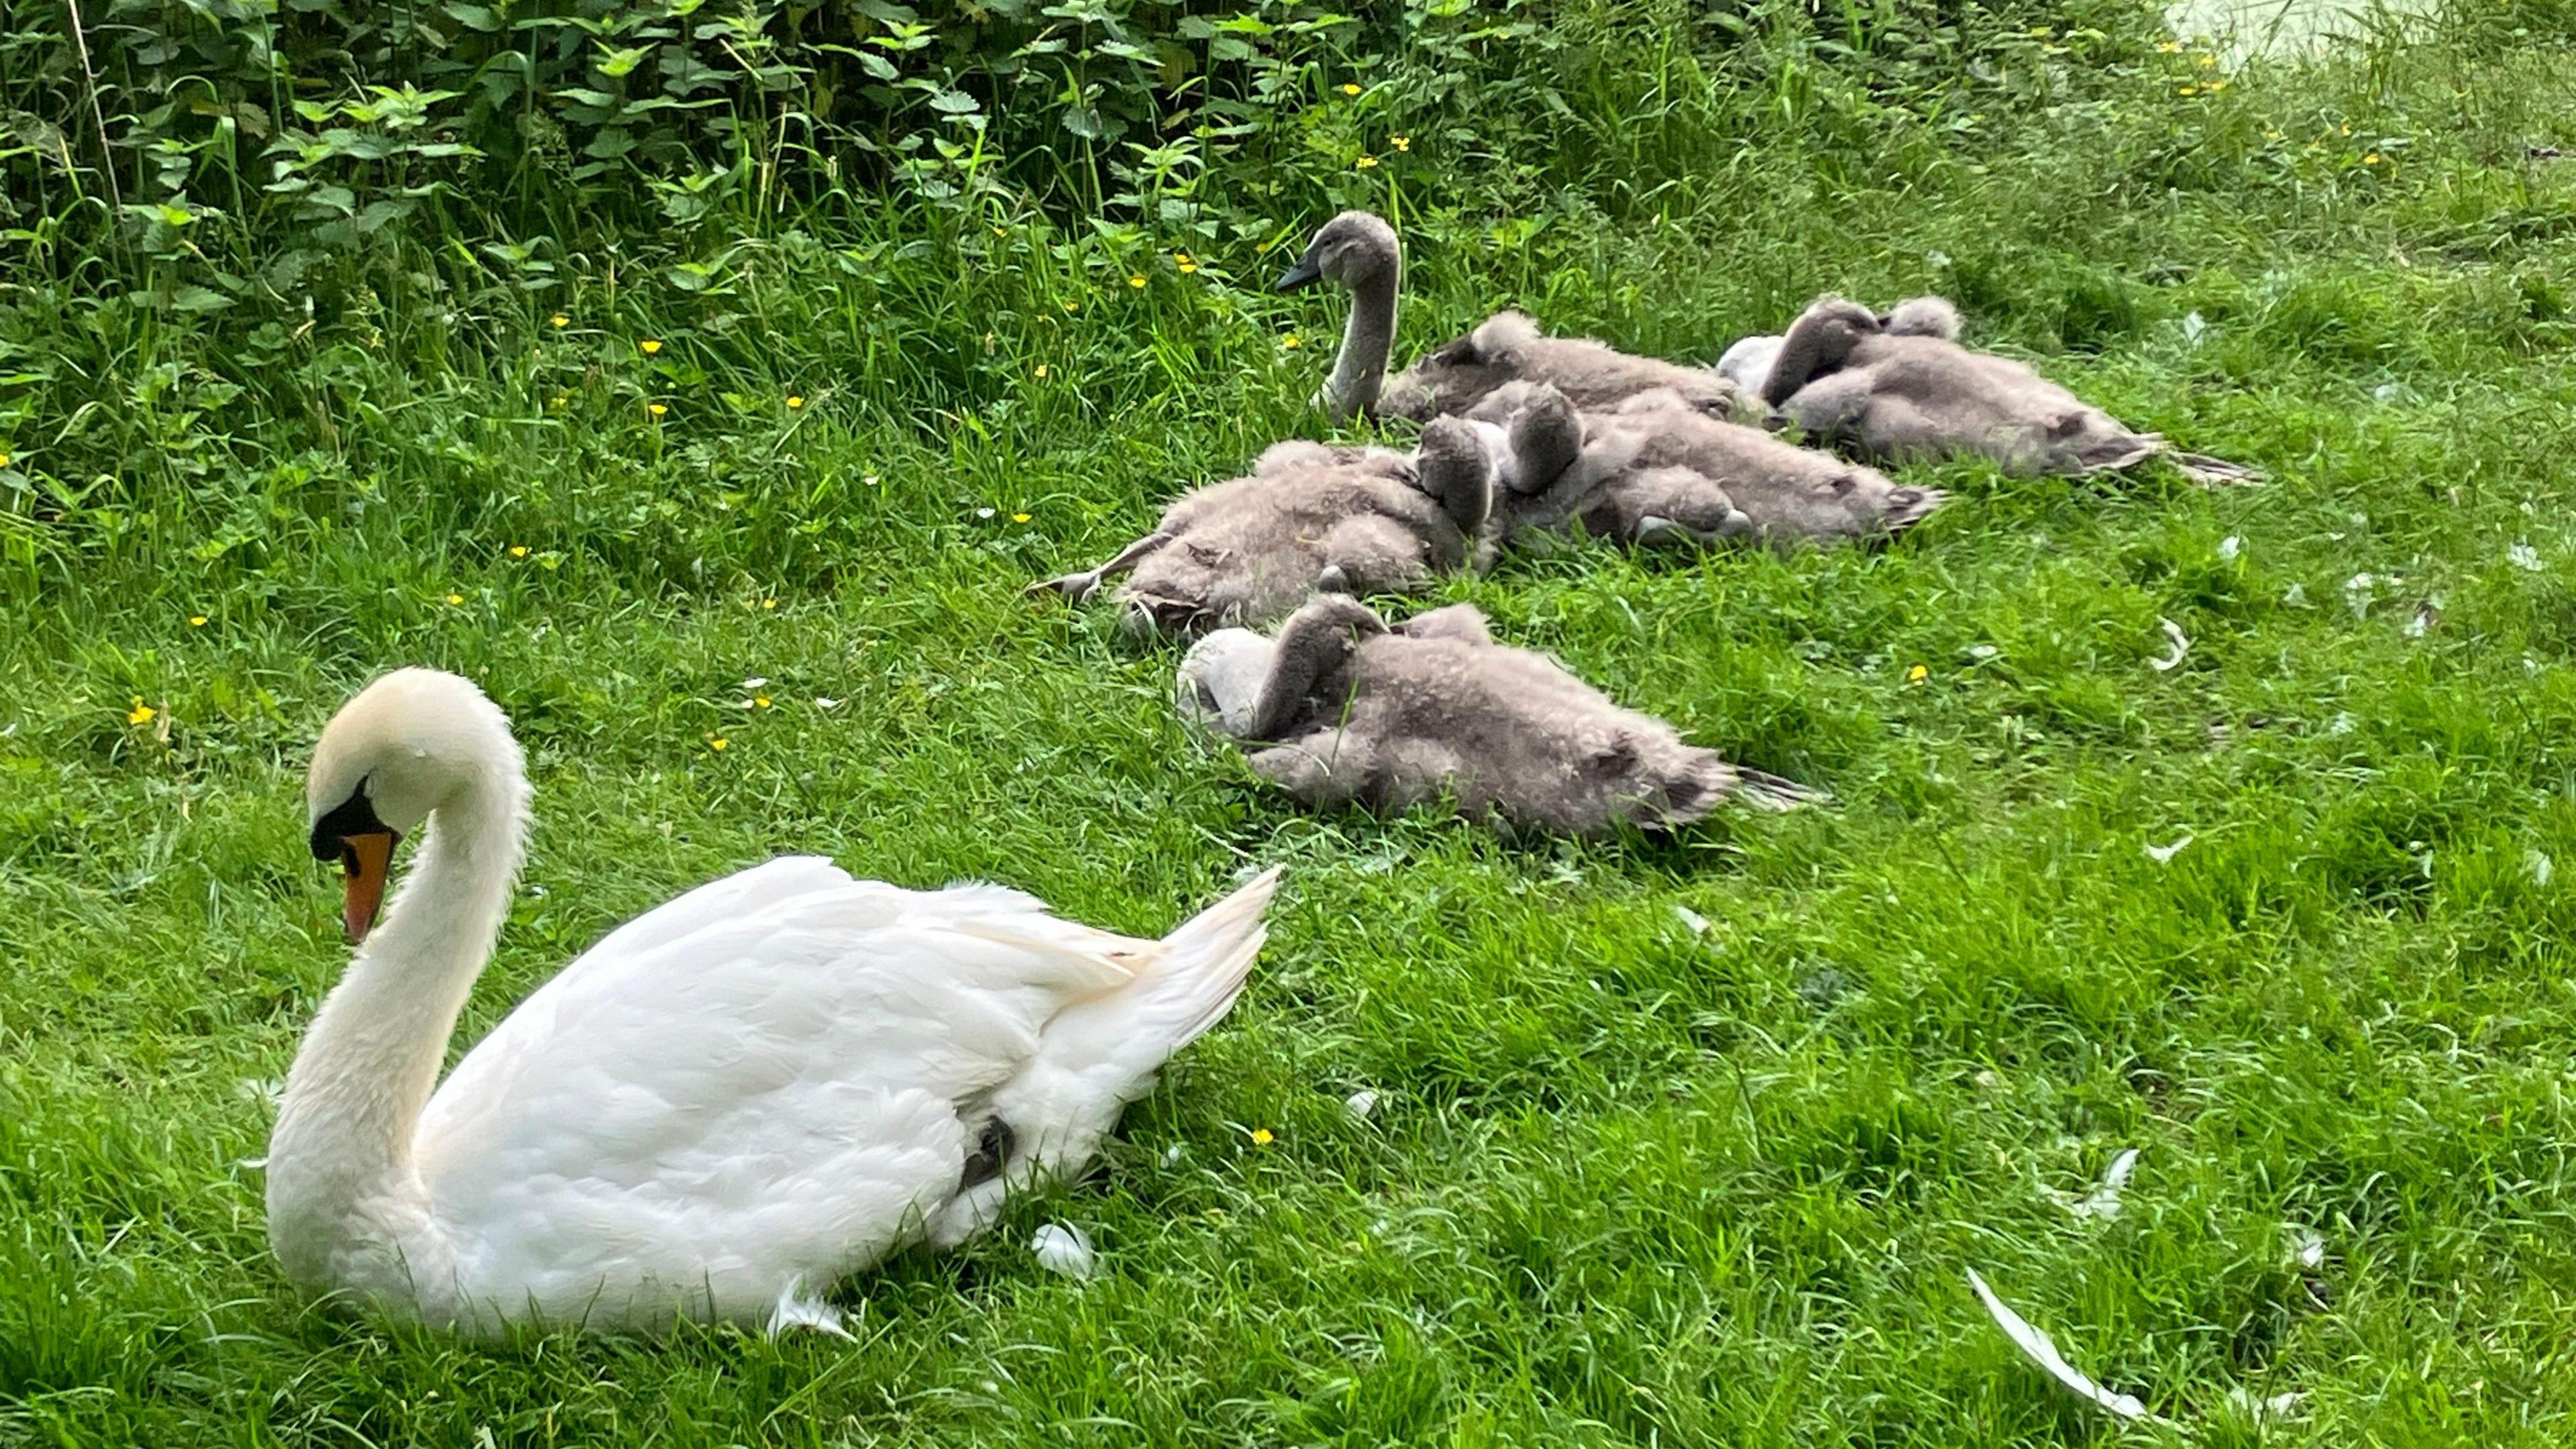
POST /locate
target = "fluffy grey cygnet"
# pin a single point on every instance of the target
(1654, 469)
(1901, 386)
(1310, 517)
(1358, 252)
(1353, 712)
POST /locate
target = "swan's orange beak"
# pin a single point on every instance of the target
(366, 857)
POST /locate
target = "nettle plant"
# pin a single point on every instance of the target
(267, 161)
(195, 125)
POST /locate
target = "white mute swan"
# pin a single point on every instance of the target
(781, 1076)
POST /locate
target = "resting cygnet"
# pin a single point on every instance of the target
(1356, 713)
(1309, 518)
(1654, 469)
(1357, 251)
(1901, 386)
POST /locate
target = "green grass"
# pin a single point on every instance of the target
(1629, 1184)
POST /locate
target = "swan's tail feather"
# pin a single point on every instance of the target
(1200, 970)
(1102, 1052)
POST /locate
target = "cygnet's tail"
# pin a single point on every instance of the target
(1707, 781)
(1910, 505)
(1770, 792)
(2212, 472)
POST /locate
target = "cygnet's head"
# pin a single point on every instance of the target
(402, 748)
(1219, 680)
(1749, 361)
(1457, 463)
(1922, 317)
(1353, 248)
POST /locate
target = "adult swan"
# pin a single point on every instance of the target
(778, 1078)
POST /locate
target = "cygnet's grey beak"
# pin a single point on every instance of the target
(1305, 272)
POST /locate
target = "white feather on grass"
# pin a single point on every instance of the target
(2260, 1408)
(2104, 1203)
(795, 1310)
(2302, 1246)
(2161, 854)
(2181, 646)
(2037, 1347)
(1062, 1248)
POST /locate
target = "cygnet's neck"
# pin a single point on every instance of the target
(371, 1058)
(1368, 340)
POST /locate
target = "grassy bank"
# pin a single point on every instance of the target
(1631, 1182)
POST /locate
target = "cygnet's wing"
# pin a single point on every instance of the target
(759, 1079)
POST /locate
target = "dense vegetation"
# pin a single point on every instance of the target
(706, 380)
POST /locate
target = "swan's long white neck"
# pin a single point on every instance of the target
(1368, 340)
(340, 1161)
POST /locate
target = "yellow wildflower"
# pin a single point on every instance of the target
(1401, 143)
(2207, 61)
(560, 320)
(1136, 280)
(2370, 160)
(1289, 341)
(455, 599)
(769, 603)
(196, 621)
(141, 714)
(2345, 128)
(1917, 674)
(2214, 87)
(1019, 518)
(1349, 89)
(1188, 266)
(518, 550)
(2168, 47)
(4, 460)
(1073, 306)
(717, 742)
(1040, 370)
(656, 409)
(650, 347)
(1367, 161)
(1261, 1137)
(2188, 91)
(795, 400)
(760, 701)
(558, 400)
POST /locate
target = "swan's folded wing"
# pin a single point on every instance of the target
(773, 1062)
